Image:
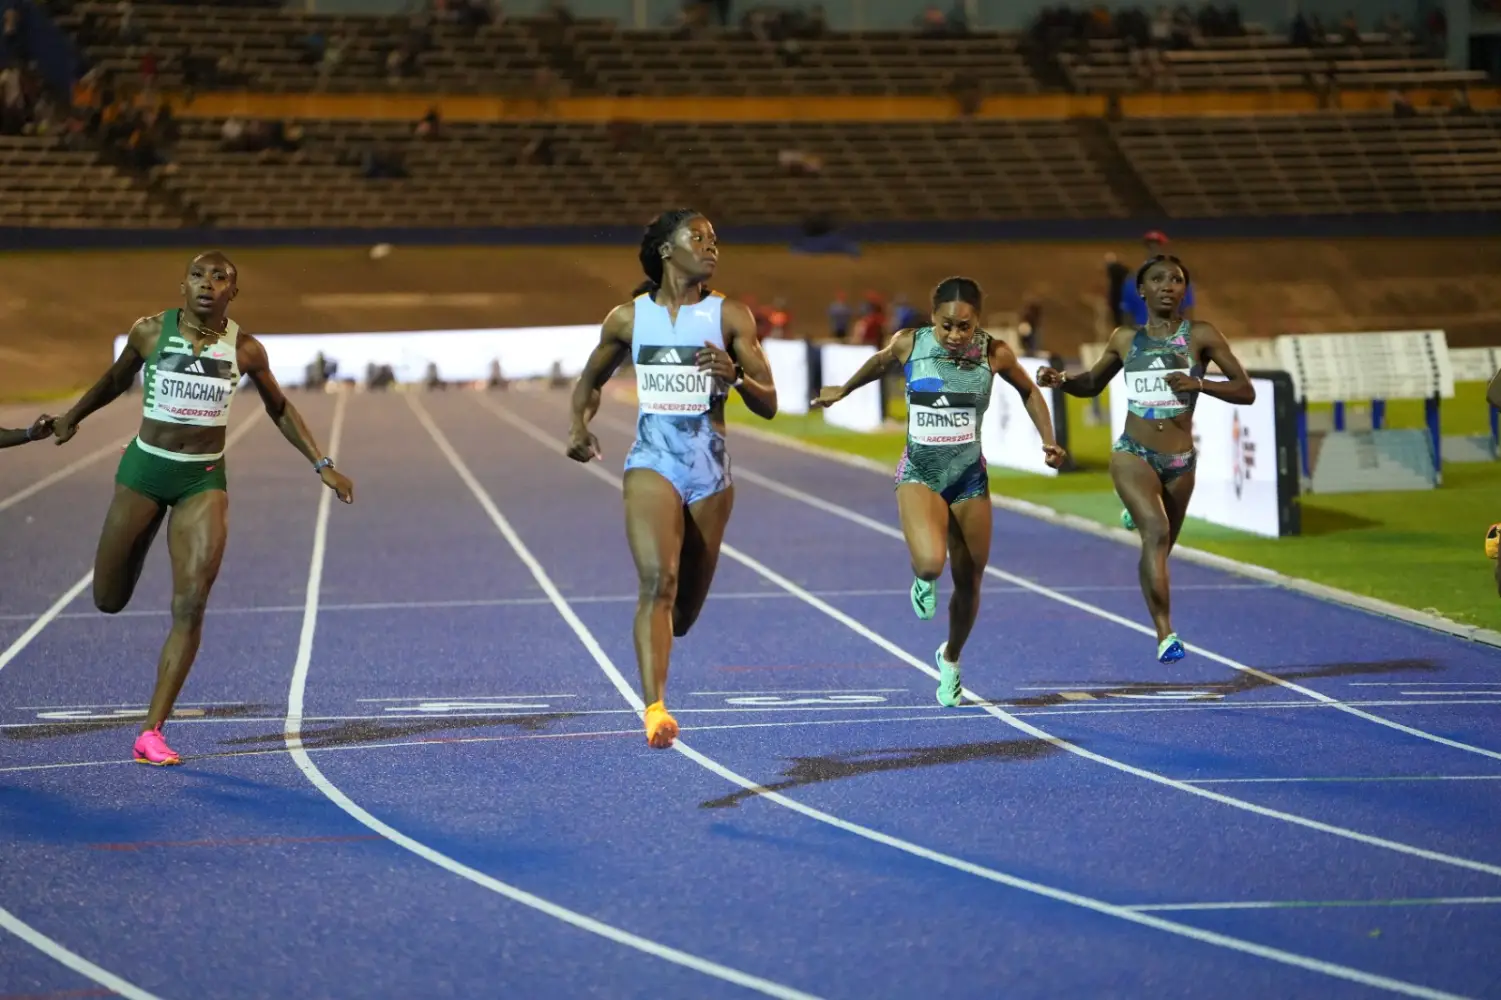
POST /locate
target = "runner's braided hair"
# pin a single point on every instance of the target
(958, 289)
(657, 233)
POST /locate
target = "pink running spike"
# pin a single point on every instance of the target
(151, 749)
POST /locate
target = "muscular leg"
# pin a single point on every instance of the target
(129, 529)
(703, 532)
(195, 539)
(1175, 497)
(925, 519)
(1139, 488)
(969, 548)
(654, 527)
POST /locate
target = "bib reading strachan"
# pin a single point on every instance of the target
(676, 390)
(941, 425)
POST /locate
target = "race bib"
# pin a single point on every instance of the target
(942, 419)
(191, 388)
(1148, 388)
(668, 382)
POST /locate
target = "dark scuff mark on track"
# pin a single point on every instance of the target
(834, 767)
(355, 732)
(55, 730)
(1242, 683)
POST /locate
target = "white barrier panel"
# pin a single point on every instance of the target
(1009, 438)
(789, 369)
(461, 355)
(1474, 364)
(861, 409)
(1236, 480)
(1400, 364)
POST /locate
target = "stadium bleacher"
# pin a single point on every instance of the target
(549, 171)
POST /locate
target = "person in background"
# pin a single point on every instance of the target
(1116, 274)
(839, 316)
(1132, 306)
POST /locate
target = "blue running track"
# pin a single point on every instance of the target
(414, 765)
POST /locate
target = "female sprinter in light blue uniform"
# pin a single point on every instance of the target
(1152, 462)
(690, 346)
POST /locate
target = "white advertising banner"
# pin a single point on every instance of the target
(460, 355)
(1236, 480)
(1009, 439)
(789, 369)
(861, 409)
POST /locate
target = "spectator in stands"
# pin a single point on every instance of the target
(130, 33)
(13, 48)
(839, 316)
(1459, 102)
(333, 56)
(1401, 104)
(904, 315)
(1131, 304)
(314, 45)
(430, 125)
(13, 111)
(232, 135)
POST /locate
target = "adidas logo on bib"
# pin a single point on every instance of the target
(1157, 363)
(941, 401)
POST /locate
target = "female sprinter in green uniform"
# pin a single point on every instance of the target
(943, 487)
(1153, 460)
(40, 428)
(194, 358)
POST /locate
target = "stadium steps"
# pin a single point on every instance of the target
(1094, 135)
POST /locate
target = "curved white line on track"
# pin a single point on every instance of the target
(1012, 720)
(293, 736)
(1026, 885)
(8, 921)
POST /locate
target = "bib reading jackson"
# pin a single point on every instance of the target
(941, 419)
(668, 382)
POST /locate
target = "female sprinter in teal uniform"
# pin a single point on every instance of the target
(690, 346)
(1152, 463)
(40, 428)
(193, 360)
(942, 485)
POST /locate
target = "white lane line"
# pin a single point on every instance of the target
(52, 613)
(511, 738)
(558, 446)
(63, 956)
(970, 709)
(41, 484)
(1311, 904)
(606, 665)
(293, 735)
(9, 921)
(837, 510)
(491, 602)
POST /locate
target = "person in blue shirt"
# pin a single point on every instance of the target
(1132, 305)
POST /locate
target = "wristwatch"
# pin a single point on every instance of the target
(323, 463)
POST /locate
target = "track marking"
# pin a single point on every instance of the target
(1186, 553)
(15, 649)
(1337, 779)
(73, 960)
(975, 708)
(558, 446)
(590, 643)
(1310, 904)
(492, 602)
(63, 473)
(837, 510)
(444, 741)
(8, 921)
(293, 736)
